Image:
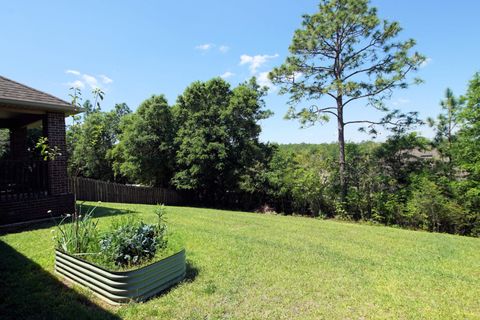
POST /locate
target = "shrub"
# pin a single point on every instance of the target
(389, 208)
(430, 209)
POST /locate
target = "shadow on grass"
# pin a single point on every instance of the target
(99, 212)
(29, 292)
(190, 274)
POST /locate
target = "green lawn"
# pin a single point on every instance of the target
(252, 266)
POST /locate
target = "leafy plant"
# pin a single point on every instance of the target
(130, 242)
(47, 152)
(78, 233)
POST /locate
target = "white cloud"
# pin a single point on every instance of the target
(227, 75)
(84, 80)
(224, 48)
(255, 62)
(298, 75)
(208, 46)
(105, 79)
(76, 84)
(74, 72)
(262, 80)
(205, 47)
(426, 62)
(90, 80)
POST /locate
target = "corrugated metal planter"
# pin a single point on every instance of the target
(118, 287)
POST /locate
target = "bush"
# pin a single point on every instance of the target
(429, 209)
(389, 208)
(130, 242)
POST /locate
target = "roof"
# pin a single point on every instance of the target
(14, 93)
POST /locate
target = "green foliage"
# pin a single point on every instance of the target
(130, 243)
(381, 180)
(388, 208)
(279, 179)
(327, 150)
(429, 209)
(467, 149)
(399, 158)
(345, 52)
(336, 49)
(127, 242)
(77, 233)
(465, 153)
(90, 143)
(217, 136)
(4, 142)
(46, 151)
(445, 127)
(145, 152)
(207, 144)
(447, 121)
(313, 185)
(98, 95)
(76, 97)
(300, 180)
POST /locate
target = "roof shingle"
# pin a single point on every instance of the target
(17, 93)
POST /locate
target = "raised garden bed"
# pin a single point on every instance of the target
(116, 287)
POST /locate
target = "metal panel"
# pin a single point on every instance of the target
(122, 287)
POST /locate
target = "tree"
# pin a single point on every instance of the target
(345, 52)
(445, 126)
(91, 141)
(245, 109)
(397, 159)
(467, 148)
(466, 151)
(217, 137)
(428, 208)
(145, 152)
(88, 107)
(280, 179)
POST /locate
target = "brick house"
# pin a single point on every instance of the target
(30, 185)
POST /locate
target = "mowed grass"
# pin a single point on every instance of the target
(252, 266)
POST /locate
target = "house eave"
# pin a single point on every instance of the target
(35, 105)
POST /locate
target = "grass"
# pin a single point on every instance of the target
(251, 266)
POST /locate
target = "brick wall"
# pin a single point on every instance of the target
(59, 199)
(34, 209)
(54, 130)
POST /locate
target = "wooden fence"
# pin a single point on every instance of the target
(97, 190)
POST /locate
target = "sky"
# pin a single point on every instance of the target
(133, 49)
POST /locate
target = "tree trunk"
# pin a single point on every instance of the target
(341, 149)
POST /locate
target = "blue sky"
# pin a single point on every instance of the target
(136, 49)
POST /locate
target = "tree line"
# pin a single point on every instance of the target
(207, 145)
